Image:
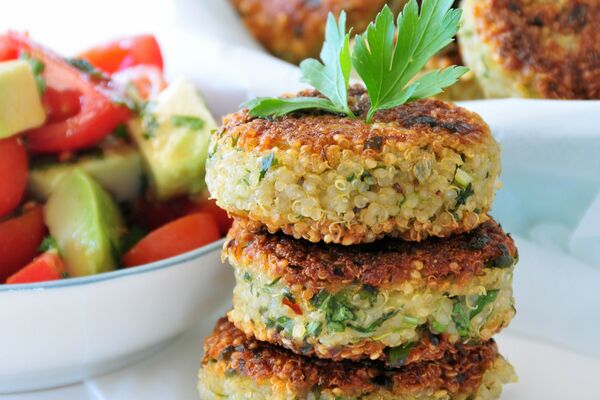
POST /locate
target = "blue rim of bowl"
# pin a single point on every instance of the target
(106, 276)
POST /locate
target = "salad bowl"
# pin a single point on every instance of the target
(61, 332)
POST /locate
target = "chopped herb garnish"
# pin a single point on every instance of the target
(462, 178)
(462, 315)
(279, 324)
(338, 313)
(274, 281)
(483, 301)
(125, 102)
(121, 131)
(408, 321)
(288, 295)
(372, 327)
(266, 164)
(86, 67)
(314, 328)
(463, 195)
(387, 65)
(438, 327)
(188, 121)
(397, 355)
(37, 67)
(149, 121)
(64, 275)
(368, 293)
(247, 277)
(49, 243)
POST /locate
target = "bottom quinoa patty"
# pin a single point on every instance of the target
(340, 302)
(239, 367)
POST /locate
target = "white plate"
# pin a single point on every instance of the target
(545, 371)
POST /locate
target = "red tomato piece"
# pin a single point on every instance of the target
(19, 240)
(61, 104)
(151, 215)
(223, 220)
(8, 51)
(47, 267)
(125, 53)
(295, 307)
(13, 174)
(177, 237)
(97, 115)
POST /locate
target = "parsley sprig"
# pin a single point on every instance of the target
(330, 77)
(387, 64)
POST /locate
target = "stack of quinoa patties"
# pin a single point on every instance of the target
(367, 265)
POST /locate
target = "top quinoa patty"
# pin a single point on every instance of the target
(295, 29)
(533, 48)
(426, 168)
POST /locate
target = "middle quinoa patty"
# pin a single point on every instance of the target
(365, 301)
(426, 168)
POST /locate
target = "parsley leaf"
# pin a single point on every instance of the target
(387, 63)
(463, 195)
(330, 77)
(37, 67)
(266, 164)
(85, 67)
(462, 314)
(272, 107)
(387, 68)
(398, 355)
(48, 244)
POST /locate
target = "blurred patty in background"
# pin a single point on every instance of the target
(294, 29)
(514, 48)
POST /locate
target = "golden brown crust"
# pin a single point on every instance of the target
(460, 369)
(384, 263)
(295, 29)
(555, 42)
(426, 122)
(429, 347)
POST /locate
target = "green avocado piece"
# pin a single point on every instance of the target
(86, 224)
(173, 134)
(20, 103)
(118, 169)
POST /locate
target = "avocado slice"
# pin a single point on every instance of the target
(86, 224)
(20, 104)
(117, 168)
(173, 135)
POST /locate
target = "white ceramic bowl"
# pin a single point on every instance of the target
(61, 332)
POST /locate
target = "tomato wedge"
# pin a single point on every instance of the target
(13, 174)
(124, 53)
(180, 236)
(19, 240)
(97, 115)
(223, 220)
(47, 267)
